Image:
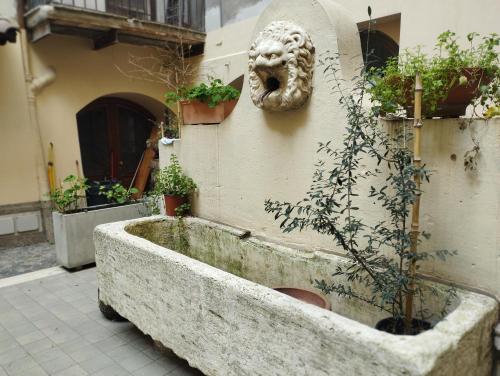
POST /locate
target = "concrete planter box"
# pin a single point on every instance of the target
(73, 232)
(202, 290)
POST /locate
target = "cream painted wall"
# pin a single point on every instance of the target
(422, 21)
(18, 141)
(255, 155)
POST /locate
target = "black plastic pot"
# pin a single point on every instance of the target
(397, 326)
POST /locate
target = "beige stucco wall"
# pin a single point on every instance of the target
(82, 75)
(255, 155)
(422, 21)
(18, 141)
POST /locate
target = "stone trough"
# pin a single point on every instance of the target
(204, 290)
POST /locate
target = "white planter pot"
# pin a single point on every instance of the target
(73, 233)
(203, 291)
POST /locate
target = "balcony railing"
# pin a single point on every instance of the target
(189, 14)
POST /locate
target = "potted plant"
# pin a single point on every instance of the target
(74, 222)
(175, 186)
(382, 261)
(452, 79)
(205, 104)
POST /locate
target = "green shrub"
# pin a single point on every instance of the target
(212, 94)
(117, 193)
(171, 180)
(66, 200)
(393, 84)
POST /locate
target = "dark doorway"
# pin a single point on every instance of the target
(381, 48)
(113, 134)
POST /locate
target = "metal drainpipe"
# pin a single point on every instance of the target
(34, 86)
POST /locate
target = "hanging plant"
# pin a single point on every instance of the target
(452, 79)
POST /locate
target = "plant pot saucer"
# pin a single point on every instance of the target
(305, 296)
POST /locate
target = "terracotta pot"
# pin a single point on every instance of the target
(397, 326)
(305, 295)
(195, 112)
(459, 96)
(229, 107)
(173, 202)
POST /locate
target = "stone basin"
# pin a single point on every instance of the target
(204, 290)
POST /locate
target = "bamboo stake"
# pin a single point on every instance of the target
(51, 170)
(417, 162)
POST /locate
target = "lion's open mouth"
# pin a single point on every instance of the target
(273, 82)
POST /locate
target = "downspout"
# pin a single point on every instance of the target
(33, 87)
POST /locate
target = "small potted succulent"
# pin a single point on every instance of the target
(205, 104)
(452, 79)
(175, 186)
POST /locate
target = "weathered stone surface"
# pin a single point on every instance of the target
(281, 64)
(227, 325)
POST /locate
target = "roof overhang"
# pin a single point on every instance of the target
(106, 29)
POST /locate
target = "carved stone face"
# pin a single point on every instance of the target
(281, 62)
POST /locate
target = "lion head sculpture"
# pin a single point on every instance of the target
(281, 63)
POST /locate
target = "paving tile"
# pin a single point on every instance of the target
(97, 334)
(53, 326)
(84, 353)
(19, 260)
(75, 370)
(22, 329)
(153, 369)
(11, 355)
(38, 346)
(49, 354)
(20, 366)
(96, 363)
(73, 345)
(121, 352)
(7, 344)
(58, 364)
(35, 371)
(30, 337)
(110, 343)
(112, 370)
(185, 371)
(60, 333)
(135, 361)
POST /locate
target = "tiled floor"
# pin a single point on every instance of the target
(19, 260)
(52, 326)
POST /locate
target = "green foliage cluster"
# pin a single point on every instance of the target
(171, 180)
(67, 199)
(117, 193)
(212, 94)
(379, 250)
(476, 66)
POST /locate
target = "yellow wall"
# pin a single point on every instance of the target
(18, 141)
(83, 75)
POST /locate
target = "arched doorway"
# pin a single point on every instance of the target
(112, 133)
(381, 48)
